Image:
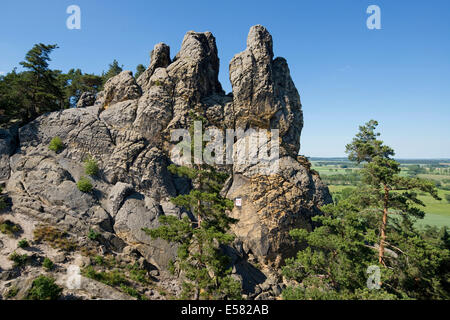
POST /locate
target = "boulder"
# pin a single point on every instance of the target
(136, 213)
(117, 89)
(117, 196)
(86, 99)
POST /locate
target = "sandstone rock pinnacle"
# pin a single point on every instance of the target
(127, 131)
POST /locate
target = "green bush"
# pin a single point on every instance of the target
(19, 260)
(48, 264)
(9, 228)
(84, 185)
(91, 167)
(56, 144)
(23, 244)
(447, 197)
(12, 293)
(98, 260)
(112, 278)
(94, 236)
(44, 288)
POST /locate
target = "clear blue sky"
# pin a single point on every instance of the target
(345, 73)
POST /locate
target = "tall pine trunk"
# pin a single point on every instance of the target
(383, 226)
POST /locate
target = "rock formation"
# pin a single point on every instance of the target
(127, 130)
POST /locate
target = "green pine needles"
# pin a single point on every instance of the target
(372, 226)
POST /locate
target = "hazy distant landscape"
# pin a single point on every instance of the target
(342, 175)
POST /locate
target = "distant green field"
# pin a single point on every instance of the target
(327, 170)
(437, 213)
(334, 188)
(435, 177)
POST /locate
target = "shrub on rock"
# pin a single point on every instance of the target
(91, 167)
(23, 244)
(48, 264)
(56, 144)
(84, 185)
(44, 288)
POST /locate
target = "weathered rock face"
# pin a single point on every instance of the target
(8, 145)
(128, 131)
(272, 205)
(117, 89)
(159, 58)
(264, 95)
(86, 99)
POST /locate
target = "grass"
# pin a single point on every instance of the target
(435, 177)
(121, 276)
(110, 278)
(329, 170)
(437, 212)
(94, 236)
(23, 244)
(54, 237)
(338, 188)
(12, 293)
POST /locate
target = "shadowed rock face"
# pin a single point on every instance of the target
(127, 130)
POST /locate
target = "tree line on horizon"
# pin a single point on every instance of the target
(38, 89)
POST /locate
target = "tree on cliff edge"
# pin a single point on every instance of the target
(394, 193)
(373, 228)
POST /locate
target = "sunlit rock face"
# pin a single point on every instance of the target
(127, 129)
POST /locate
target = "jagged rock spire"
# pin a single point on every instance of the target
(159, 58)
(127, 132)
(264, 95)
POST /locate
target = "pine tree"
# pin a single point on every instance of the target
(113, 70)
(77, 83)
(12, 93)
(381, 172)
(139, 70)
(43, 92)
(355, 232)
(333, 265)
(200, 254)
